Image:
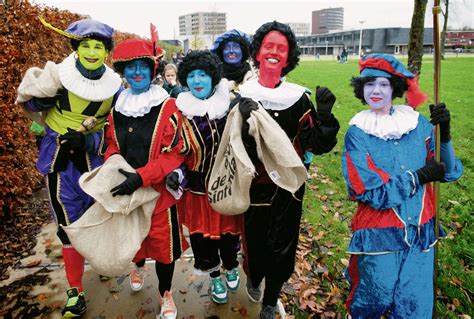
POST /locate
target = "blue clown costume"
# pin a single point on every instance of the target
(392, 256)
(70, 147)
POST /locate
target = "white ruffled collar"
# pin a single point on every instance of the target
(216, 106)
(402, 120)
(90, 90)
(277, 99)
(137, 105)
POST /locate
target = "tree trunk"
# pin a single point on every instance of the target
(445, 27)
(415, 43)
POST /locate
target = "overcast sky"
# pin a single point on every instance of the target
(134, 16)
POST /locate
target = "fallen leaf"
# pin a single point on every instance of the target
(33, 263)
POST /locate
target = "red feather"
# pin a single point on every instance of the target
(157, 51)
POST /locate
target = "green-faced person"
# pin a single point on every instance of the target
(92, 54)
(87, 88)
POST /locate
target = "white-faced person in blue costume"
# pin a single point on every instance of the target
(388, 165)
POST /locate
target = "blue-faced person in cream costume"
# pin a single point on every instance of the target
(87, 88)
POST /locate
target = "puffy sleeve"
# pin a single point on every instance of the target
(170, 152)
(369, 183)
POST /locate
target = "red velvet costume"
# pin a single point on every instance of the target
(163, 158)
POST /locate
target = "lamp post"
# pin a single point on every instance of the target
(360, 37)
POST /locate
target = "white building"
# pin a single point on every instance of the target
(301, 29)
(202, 23)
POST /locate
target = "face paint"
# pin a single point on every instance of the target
(273, 53)
(200, 84)
(378, 93)
(170, 76)
(92, 54)
(232, 53)
(138, 75)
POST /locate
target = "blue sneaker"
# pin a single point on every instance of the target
(232, 279)
(218, 291)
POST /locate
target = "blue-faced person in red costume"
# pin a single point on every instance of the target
(153, 149)
(388, 164)
(74, 98)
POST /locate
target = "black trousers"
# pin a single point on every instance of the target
(271, 238)
(209, 252)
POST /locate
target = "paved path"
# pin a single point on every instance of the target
(114, 298)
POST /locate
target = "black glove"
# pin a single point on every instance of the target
(431, 172)
(131, 184)
(246, 106)
(440, 115)
(325, 100)
(172, 181)
(73, 140)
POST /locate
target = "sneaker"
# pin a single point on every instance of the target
(137, 278)
(75, 305)
(232, 279)
(254, 294)
(168, 307)
(218, 291)
(268, 312)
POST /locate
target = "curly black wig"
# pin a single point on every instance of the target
(244, 46)
(108, 43)
(120, 65)
(200, 60)
(399, 86)
(294, 52)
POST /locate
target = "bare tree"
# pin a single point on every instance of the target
(415, 42)
(197, 42)
(445, 27)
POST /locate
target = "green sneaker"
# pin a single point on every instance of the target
(218, 291)
(232, 279)
(75, 305)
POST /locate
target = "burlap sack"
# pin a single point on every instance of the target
(39, 82)
(110, 233)
(233, 171)
(276, 151)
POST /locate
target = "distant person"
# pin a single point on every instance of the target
(344, 55)
(232, 48)
(388, 164)
(170, 80)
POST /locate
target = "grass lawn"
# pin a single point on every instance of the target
(330, 212)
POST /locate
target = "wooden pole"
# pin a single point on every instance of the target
(437, 64)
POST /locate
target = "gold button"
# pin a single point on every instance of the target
(130, 129)
(276, 114)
